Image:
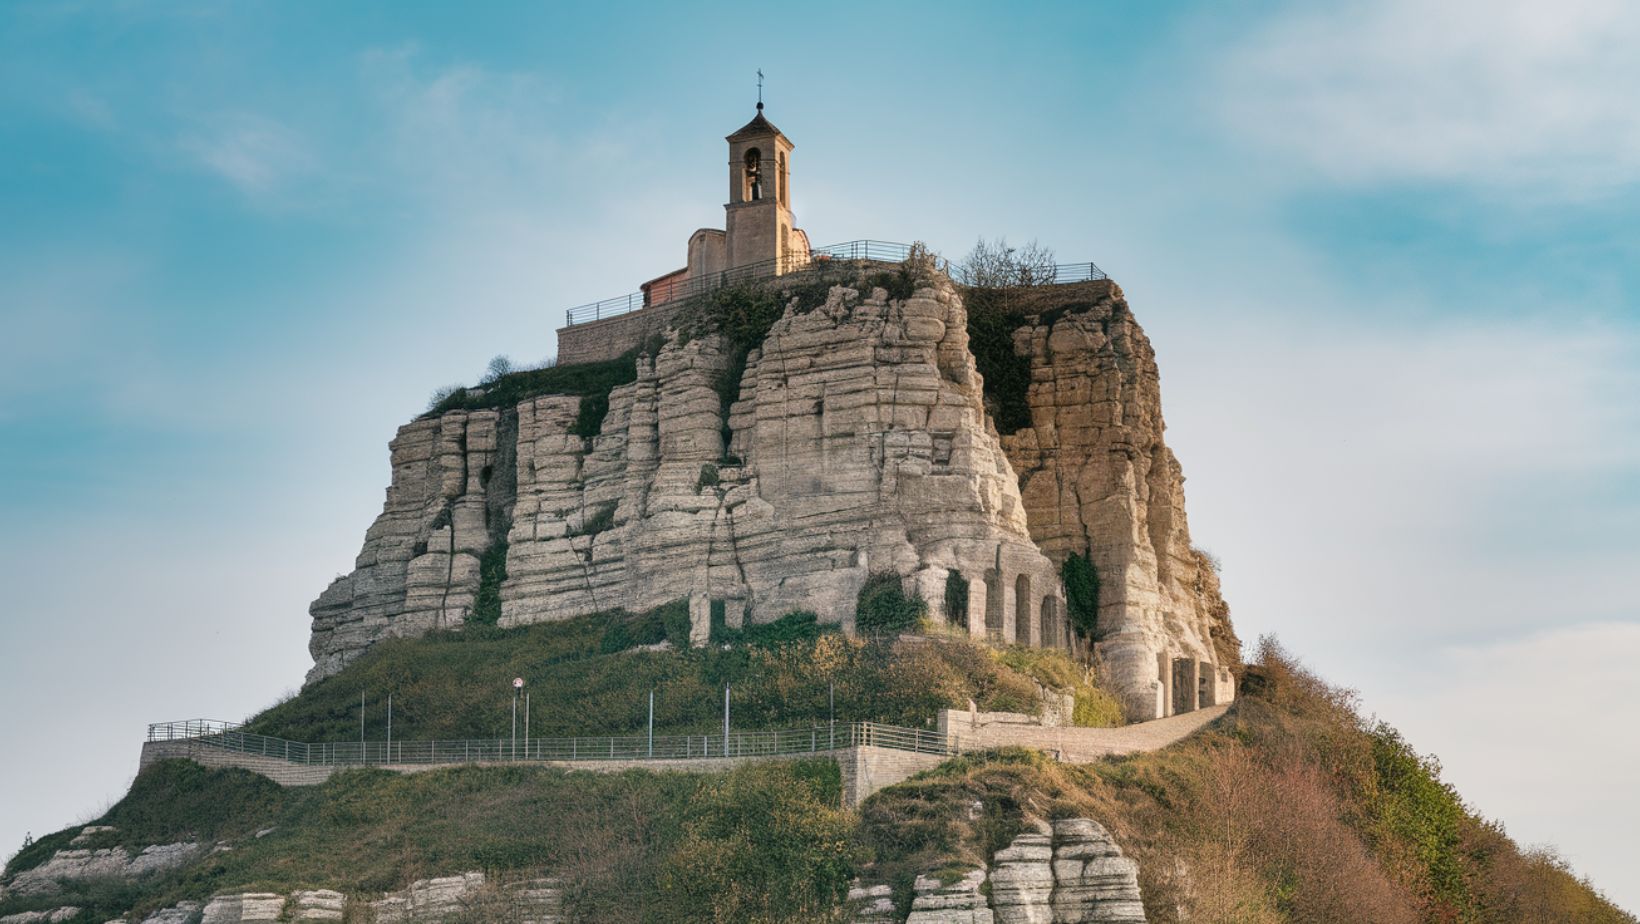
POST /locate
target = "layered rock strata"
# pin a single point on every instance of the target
(1071, 872)
(1097, 479)
(859, 443)
(79, 864)
(465, 897)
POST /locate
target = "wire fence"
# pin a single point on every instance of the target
(788, 742)
(864, 251)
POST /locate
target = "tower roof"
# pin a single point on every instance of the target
(756, 127)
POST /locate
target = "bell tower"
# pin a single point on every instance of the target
(758, 226)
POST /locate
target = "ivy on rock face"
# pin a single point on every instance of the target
(1081, 594)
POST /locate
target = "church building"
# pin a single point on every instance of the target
(759, 235)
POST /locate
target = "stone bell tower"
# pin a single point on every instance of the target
(759, 224)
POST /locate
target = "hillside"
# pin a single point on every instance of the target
(1291, 808)
(776, 444)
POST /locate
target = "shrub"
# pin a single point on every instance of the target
(499, 367)
(1081, 595)
(627, 631)
(956, 598)
(589, 417)
(764, 844)
(884, 607)
(796, 626)
(492, 572)
(708, 477)
(584, 379)
(1007, 375)
(596, 520)
(449, 394)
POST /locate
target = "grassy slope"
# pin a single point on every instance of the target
(458, 684)
(1293, 808)
(632, 846)
(730, 847)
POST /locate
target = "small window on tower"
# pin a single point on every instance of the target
(754, 174)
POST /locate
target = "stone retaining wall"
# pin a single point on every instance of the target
(864, 769)
(606, 339)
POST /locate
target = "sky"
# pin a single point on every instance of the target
(1388, 255)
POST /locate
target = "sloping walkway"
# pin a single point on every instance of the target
(1082, 745)
(870, 756)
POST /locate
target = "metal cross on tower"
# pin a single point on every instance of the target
(760, 88)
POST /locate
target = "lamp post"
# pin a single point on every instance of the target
(518, 687)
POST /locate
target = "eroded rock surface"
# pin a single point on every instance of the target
(466, 897)
(958, 902)
(859, 443)
(1074, 875)
(106, 863)
(1096, 478)
(244, 908)
(52, 916)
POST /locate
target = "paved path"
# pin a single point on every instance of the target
(881, 756)
(1081, 745)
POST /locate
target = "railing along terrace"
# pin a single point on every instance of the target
(787, 742)
(865, 251)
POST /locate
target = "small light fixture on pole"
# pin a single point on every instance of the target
(518, 687)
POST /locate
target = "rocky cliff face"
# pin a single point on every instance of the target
(858, 441)
(1069, 872)
(1097, 479)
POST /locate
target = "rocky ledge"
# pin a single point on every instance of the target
(1069, 872)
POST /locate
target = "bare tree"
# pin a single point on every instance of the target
(995, 264)
(498, 367)
(444, 394)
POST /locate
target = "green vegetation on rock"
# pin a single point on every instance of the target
(884, 606)
(1081, 595)
(492, 572)
(589, 676)
(1294, 807)
(632, 847)
(592, 381)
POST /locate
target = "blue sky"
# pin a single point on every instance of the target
(1387, 253)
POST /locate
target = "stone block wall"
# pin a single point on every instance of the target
(608, 338)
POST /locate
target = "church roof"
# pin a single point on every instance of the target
(756, 127)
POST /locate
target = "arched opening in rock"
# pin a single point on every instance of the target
(1023, 615)
(993, 606)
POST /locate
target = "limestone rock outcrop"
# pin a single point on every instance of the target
(106, 863)
(52, 916)
(1074, 875)
(1097, 479)
(464, 897)
(243, 908)
(859, 443)
(418, 569)
(958, 902)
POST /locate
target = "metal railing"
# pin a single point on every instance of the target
(787, 742)
(865, 251)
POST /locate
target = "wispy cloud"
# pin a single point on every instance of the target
(1513, 93)
(258, 155)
